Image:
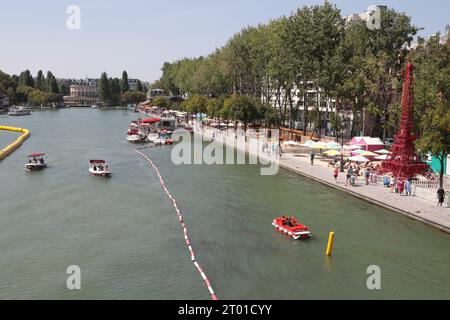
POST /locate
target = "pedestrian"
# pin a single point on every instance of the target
(335, 174)
(311, 157)
(349, 174)
(279, 151)
(273, 148)
(386, 181)
(353, 179)
(367, 175)
(400, 186)
(393, 183)
(440, 196)
(408, 187)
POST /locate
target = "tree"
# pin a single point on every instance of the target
(40, 81)
(26, 79)
(161, 102)
(131, 97)
(139, 86)
(242, 108)
(196, 104)
(104, 89)
(432, 99)
(115, 94)
(52, 84)
(435, 136)
(124, 82)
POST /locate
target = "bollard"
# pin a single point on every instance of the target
(330, 244)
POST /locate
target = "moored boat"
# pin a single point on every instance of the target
(19, 111)
(99, 168)
(290, 227)
(137, 138)
(36, 161)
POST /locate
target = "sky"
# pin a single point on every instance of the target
(140, 35)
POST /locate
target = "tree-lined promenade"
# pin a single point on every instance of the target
(286, 61)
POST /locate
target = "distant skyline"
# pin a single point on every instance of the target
(139, 35)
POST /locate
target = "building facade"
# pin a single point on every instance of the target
(82, 95)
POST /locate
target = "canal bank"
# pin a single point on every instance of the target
(413, 207)
(124, 234)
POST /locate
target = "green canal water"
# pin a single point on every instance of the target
(124, 234)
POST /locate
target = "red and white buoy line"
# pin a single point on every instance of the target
(183, 226)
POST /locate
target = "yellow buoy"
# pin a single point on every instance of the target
(13, 146)
(330, 244)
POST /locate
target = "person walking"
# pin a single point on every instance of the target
(349, 175)
(408, 187)
(311, 157)
(393, 183)
(335, 173)
(279, 151)
(440, 196)
(367, 175)
(400, 186)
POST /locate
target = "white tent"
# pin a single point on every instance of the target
(382, 157)
(359, 159)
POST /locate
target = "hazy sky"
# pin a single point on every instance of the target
(139, 35)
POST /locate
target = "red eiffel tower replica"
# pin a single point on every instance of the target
(402, 162)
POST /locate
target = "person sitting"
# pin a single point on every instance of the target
(41, 160)
(95, 168)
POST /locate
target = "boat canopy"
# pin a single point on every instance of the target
(96, 161)
(151, 120)
(33, 155)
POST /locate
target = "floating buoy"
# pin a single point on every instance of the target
(13, 146)
(183, 226)
(330, 244)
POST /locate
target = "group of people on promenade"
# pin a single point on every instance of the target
(275, 149)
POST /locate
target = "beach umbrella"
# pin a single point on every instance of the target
(333, 145)
(358, 151)
(368, 154)
(319, 145)
(292, 143)
(352, 147)
(332, 153)
(359, 158)
(382, 157)
(383, 151)
(308, 143)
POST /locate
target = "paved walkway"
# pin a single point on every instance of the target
(414, 207)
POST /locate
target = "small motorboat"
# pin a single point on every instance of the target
(290, 227)
(36, 161)
(99, 168)
(164, 138)
(137, 138)
(152, 137)
(95, 106)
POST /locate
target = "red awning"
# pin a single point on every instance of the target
(151, 120)
(36, 155)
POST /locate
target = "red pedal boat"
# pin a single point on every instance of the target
(290, 227)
